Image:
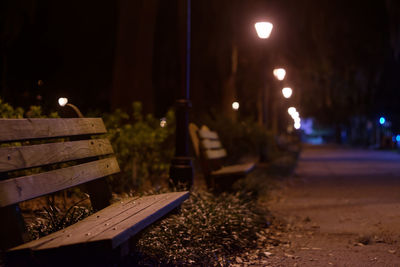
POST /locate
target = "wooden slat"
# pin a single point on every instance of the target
(27, 187)
(21, 157)
(195, 139)
(26, 129)
(215, 154)
(211, 144)
(206, 134)
(239, 169)
(114, 224)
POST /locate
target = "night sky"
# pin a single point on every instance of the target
(341, 57)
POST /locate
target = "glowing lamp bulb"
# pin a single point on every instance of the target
(62, 101)
(279, 73)
(235, 105)
(398, 138)
(287, 92)
(295, 115)
(163, 122)
(291, 110)
(382, 120)
(263, 29)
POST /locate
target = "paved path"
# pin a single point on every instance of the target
(343, 209)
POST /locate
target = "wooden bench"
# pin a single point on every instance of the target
(211, 153)
(76, 142)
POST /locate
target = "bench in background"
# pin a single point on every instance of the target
(89, 159)
(211, 154)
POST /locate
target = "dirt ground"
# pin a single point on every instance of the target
(341, 208)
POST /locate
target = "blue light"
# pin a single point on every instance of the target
(398, 138)
(382, 120)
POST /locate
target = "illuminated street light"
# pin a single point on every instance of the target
(235, 105)
(163, 122)
(263, 29)
(287, 92)
(291, 110)
(297, 125)
(295, 115)
(279, 73)
(63, 101)
(382, 120)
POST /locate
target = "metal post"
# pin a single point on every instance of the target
(181, 171)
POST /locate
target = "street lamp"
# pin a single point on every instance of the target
(63, 101)
(279, 73)
(287, 92)
(291, 110)
(263, 29)
(235, 105)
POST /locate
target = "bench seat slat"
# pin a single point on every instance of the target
(211, 144)
(215, 153)
(21, 157)
(207, 134)
(112, 225)
(19, 189)
(239, 169)
(27, 129)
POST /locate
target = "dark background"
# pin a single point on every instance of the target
(341, 57)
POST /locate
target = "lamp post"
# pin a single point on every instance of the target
(263, 29)
(280, 74)
(63, 101)
(287, 92)
(181, 171)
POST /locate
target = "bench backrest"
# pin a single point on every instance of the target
(43, 156)
(46, 143)
(207, 147)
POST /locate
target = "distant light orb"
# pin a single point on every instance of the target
(279, 73)
(287, 92)
(263, 29)
(295, 115)
(163, 122)
(62, 101)
(297, 126)
(398, 138)
(291, 110)
(382, 120)
(235, 105)
(297, 120)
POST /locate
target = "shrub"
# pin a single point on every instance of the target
(241, 138)
(144, 149)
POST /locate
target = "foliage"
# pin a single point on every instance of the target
(207, 231)
(242, 138)
(7, 112)
(144, 149)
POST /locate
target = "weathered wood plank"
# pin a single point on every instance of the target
(239, 169)
(211, 144)
(195, 139)
(27, 187)
(215, 154)
(114, 224)
(207, 134)
(21, 157)
(26, 129)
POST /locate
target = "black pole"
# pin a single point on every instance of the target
(181, 171)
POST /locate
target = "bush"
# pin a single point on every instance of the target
(209, 230)
(241, 138)
(144, 149)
